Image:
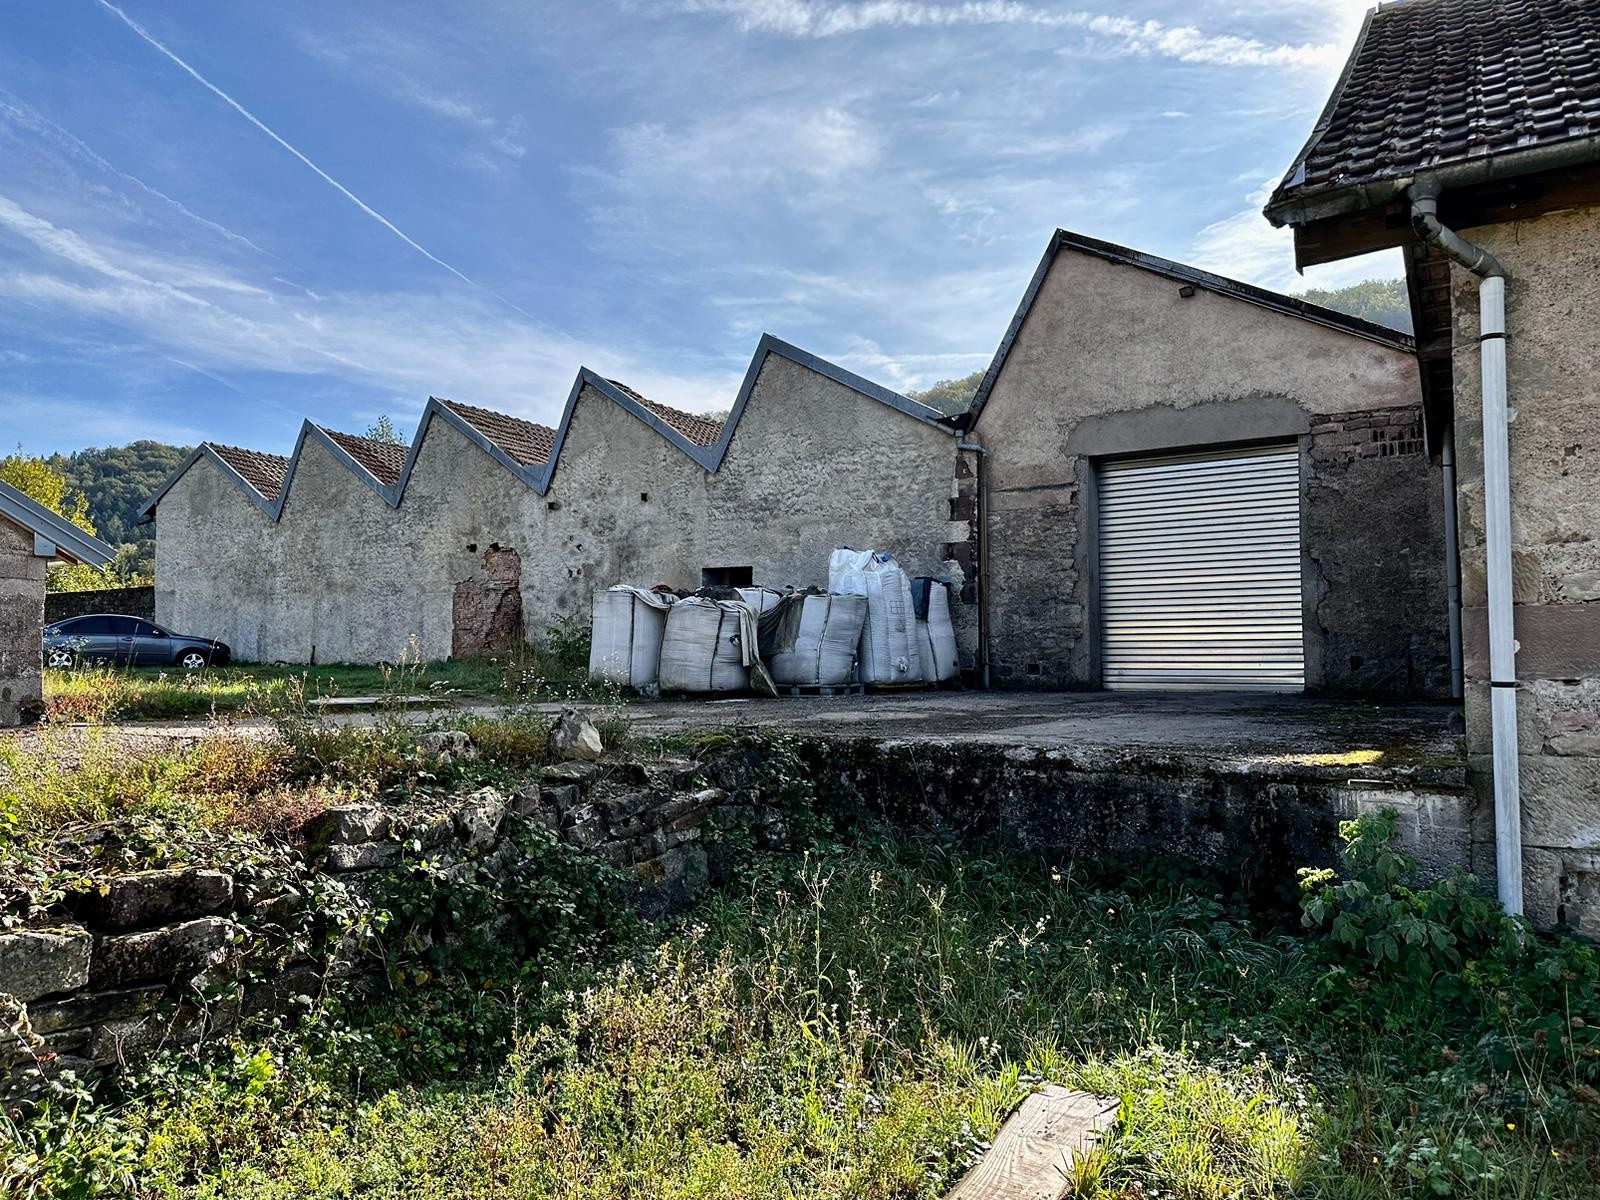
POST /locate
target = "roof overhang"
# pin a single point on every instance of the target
(1337, 223)
(53, 535)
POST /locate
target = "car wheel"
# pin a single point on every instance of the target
(192, 660)
(60, 658)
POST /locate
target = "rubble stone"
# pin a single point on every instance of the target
(478, 821)
(153, 897)
(448, 746)
(193, 948)
(348, 824)
(39, 962)
(574, 737)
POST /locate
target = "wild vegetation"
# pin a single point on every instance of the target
(554, 667)
(852, 1018)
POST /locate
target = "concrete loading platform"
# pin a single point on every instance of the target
(1254, 782)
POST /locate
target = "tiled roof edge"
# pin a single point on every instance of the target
(1324, 119)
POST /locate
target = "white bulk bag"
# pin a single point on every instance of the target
(889, 638)
(625, 643)
(936, 633)
(816, 643)
(761, 600)
(709, 646)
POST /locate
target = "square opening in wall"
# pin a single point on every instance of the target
(727, 577)
(644, 497)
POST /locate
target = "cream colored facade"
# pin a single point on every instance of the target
(817, 459)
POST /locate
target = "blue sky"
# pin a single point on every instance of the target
(218, 218)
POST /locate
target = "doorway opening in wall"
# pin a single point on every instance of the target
(734, 577)
(1200, 586)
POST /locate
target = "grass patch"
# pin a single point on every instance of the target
(552, 667)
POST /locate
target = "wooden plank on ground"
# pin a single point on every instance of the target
(1032, 1155)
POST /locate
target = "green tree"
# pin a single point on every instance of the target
(38, 480)
(384, 430)
(1382, 301)
(951, 396)
(118, 481)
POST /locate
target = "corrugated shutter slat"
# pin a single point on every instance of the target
(1200, 572)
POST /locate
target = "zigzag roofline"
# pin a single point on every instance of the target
(539, 476)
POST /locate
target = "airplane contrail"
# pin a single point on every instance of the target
(326, 178)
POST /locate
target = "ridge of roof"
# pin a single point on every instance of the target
(528, 450)
(1249, 293)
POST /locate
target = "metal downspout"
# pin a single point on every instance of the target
(1497, 529)
(1452, 561)
(983, 557)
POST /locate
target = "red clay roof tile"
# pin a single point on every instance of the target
(263, 472)
(527, 443)
(383, 460)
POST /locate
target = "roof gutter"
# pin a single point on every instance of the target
(1424, 196)
(1361, 197)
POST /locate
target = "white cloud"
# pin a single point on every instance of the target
(751, 150)
(413, 74)
(413, 344)
(93, 423)
(1118, 35)
(146, 36)
(1246, 246)
(22, 116)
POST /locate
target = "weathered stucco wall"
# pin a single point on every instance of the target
(1112, 360)
(1553, 364)
(813, 465)
(21, 627)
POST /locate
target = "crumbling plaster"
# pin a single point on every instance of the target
(1553, 366)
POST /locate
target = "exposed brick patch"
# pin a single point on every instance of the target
(486, 613)
(1346, 437)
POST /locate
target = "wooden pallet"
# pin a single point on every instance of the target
(1033, 1153)
(836, 689)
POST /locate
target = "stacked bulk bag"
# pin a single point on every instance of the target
(709, 646)
(889, 637)
(629, 624)
(936, 633)
(810, 640)
(760, 599)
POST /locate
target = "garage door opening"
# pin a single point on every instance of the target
(1200, 572)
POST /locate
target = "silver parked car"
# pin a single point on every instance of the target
(108, 638)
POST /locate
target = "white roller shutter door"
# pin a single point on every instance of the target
(1200, 571)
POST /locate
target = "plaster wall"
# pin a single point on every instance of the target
(1112, 361)
(813, 465)
(22, 576)
(212, 576)
(1553, 364)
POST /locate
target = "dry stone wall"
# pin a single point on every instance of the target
(130, 963)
